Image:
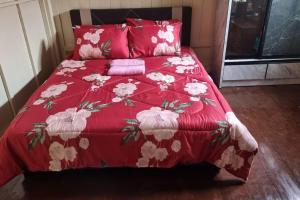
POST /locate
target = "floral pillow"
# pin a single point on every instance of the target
(154, 40)
(140, 22)
(103, 41)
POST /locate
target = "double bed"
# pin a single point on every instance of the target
(82, 118)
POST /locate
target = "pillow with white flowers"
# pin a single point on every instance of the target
(101, 41)
(154, 40)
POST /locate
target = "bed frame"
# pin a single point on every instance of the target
(117, 16)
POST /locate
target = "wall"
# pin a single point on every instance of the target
(26, 54)
(203, 18)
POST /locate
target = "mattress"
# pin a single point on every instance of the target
(81, 118)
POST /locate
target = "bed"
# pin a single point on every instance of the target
(82, 118)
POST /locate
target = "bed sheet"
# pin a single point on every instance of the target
(173, 114)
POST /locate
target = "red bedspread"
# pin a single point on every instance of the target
(81, 118)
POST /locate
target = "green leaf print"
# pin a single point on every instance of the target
(105, 47)
(167, 64)
(223, 124)
(92, 107)
(132, 121)
(106, 44)
(175, 108)
(48, 105)
(172, 104)
(37, 135)
(128, 102)
(133, 131)
(83, 104)
(221, 134)
(179, 111)
(208, 101)
(183, 105)
(165, 104)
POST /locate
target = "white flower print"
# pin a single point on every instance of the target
(54, 90)
(163, 23)
(67, 124)
(195, 89)
(163, 80)
(176, 146)
(93, 37)
(239, 132)
(180, 69)
(154, 39)
(78, 41)
(184, 60)
(51, 92)
(57, 151)
(70, 154)
(174, 60)
(195, 98)
(69, 66)
(84, 143)
(117, 99)
(142, 162)
(55, 165)
(65, 71)
(161, 154)
(94, 87)
(123, 26)
(97, 77)
(187, 60)
(162, 124)
(87, 51)
(155, 76)
(185, 69)
(163, 87)
(124, 89)
(38, 102)
(163, 49)
(148, 150)
(72, 64)
(168, 79)
(170, 28)
(167, 35)
(229, 157)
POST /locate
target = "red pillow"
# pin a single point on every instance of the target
(140, 22)
(102, 41)
(154, 40)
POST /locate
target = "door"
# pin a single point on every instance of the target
(282, 38)
(246, 28)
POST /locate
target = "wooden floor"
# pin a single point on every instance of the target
(272, 114)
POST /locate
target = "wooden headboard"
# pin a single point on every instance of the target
(117, 16)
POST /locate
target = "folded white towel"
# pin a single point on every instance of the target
(126, 70)
(127, 62)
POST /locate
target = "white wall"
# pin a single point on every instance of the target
(26, 56)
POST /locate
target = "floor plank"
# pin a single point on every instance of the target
(271, 113)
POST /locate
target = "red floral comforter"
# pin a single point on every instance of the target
(81, 118)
